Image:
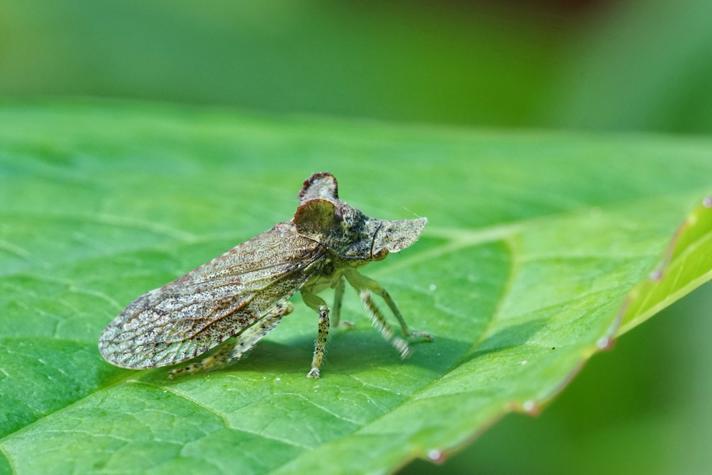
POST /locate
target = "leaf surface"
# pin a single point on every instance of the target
(541, 248)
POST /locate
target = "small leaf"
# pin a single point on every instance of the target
(539, 247)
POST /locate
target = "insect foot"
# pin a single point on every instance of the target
(418, 336)
(313, 373)
(403, 348)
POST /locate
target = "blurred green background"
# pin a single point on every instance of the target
(605, 64)
(614, 65)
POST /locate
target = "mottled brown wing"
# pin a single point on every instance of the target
(212, 303)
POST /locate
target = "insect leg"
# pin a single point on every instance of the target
(379, 322)
(318, 304)
(361, 282)
(208, 362)
(336, 308)
(234, 348)
(338, 298)
(249, 338)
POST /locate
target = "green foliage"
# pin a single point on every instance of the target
(406, 61)
(534, 243)
(656, 60)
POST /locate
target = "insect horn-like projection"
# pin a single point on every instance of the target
(231, 302)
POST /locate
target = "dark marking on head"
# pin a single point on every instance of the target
(373, 241)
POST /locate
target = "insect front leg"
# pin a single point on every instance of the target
(318, 304)
(234, 348)
(361, 282)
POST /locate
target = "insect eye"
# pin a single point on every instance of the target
(347, 219)
(381, 254)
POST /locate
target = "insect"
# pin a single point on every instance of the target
(234, 300)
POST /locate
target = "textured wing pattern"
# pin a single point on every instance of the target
(212, 303)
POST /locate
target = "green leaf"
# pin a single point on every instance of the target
(534, 244)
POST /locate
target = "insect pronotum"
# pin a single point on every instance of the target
(237, 298)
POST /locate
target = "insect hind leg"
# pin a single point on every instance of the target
(249, 338)
(213, 361)
(235, 348)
